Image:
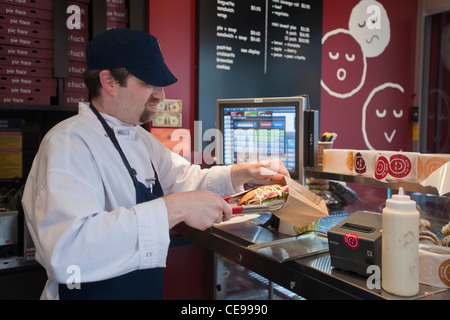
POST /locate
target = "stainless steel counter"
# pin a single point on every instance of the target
(300, 264)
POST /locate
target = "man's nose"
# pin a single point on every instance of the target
(159, 93)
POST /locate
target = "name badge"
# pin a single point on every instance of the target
(123, 132)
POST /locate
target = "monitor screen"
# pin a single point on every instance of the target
(263, 128)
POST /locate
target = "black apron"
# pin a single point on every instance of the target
(146, 284)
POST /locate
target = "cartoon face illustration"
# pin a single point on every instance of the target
(343, 63)
(386, 123)
(369, 24)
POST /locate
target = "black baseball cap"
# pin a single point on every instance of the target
(137, 51)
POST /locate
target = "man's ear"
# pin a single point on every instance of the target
(107, 81)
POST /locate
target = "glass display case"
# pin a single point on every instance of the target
(235, 282)
(244, 271)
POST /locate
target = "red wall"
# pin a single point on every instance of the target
(173, 23)
(393, 67)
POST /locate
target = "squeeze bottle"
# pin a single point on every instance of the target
(400, 246)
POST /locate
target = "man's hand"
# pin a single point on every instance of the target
(262, 170)
(198, 209)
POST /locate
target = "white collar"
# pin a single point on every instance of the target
(120, 128)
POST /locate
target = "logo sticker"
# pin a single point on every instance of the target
(444, 272)
(351, 240)
(360, 163)
(400, 166)
(381, 168)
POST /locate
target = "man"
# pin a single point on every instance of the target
(103, 193)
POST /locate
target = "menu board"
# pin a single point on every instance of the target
(256, 49)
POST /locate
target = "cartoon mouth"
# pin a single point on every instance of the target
(389, 138)
(341, 74)
(371, 39)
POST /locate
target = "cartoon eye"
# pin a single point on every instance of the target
(333, 56)
(398, 114)
(350, 58)
(381, 114)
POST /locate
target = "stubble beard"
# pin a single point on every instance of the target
(147, 116)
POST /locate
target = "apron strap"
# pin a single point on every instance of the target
(113, 138)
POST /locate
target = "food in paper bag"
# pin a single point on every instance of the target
(290, 230)
(302, 206)
(396, 166)
(428, 163)
(338, 161)
(265, 194)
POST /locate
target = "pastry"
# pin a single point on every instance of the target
(424, 224)
(429, 237)
(446, 230)
(446, 241)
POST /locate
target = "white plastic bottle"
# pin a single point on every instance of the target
(400, 246)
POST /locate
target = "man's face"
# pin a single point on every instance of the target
(137, 102)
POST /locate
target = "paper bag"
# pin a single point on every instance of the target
(302, 206)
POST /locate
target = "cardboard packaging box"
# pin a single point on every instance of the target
(338, 161)
(72, 98)
(396, 166)
(30, 32)
(26, 52)
(77, 54)
(37, 23)
(14, 61)
(26, 12)
(33, 82)
(76, 69)
(75, 84)
(27, 90)
(31, 4)
(26, 71)
(430, 162)
(25, 99)
(20, 41)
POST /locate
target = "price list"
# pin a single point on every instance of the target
(265, 31)
(258, 48)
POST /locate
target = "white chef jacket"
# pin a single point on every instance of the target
(80, 202)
